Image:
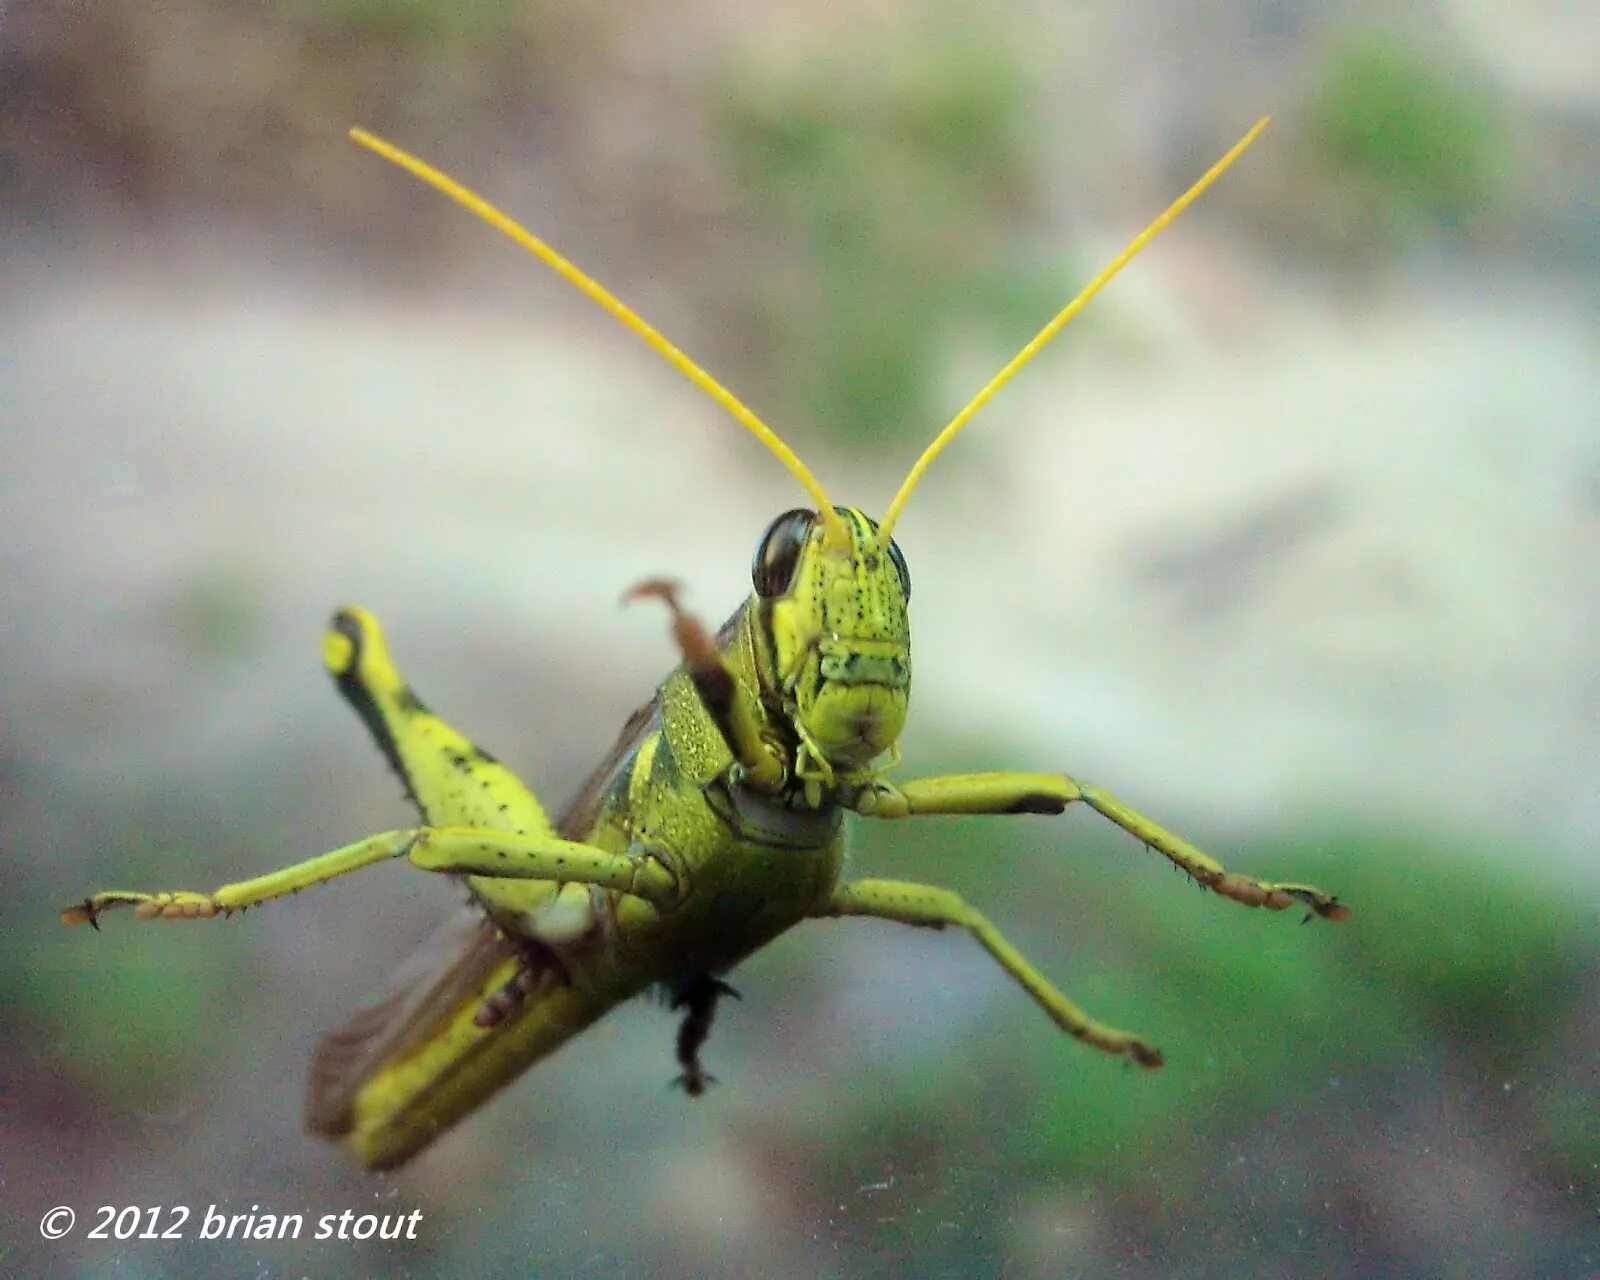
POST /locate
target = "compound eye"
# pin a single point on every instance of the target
(778, 552)
(898, 557)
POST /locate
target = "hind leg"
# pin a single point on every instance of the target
(456, 785)
(452, 781)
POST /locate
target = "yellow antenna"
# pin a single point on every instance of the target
(1056, 325)
(835, 533)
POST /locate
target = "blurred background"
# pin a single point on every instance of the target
(1291, 541)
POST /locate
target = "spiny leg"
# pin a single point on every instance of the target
(184, 904)
(450, 850)
(996, 793)
(453, 781)
(698, 998)
(933, 908)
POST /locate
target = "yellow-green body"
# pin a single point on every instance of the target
(749, 862)
(742, 887)
(715, 824)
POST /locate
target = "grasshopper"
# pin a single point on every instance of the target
(714, 825)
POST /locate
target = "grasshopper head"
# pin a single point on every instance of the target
(833, 601)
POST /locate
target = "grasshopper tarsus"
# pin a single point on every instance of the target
(699, 651)
(536, 964)
(500, 1005)
(698, 997)
(666, 589)
(1145, 1055)
(694, 1083)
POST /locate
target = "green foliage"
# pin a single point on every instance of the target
(1484, 956)
(885, 194)
(1404, 140)
(1448, 958)
(1255, 1016)
(1568, 1120)
(119, 1017)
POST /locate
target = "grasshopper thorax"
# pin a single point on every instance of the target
(834, 614)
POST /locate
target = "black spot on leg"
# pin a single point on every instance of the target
(1036, 802)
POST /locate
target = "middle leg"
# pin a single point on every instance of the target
(934, 908)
